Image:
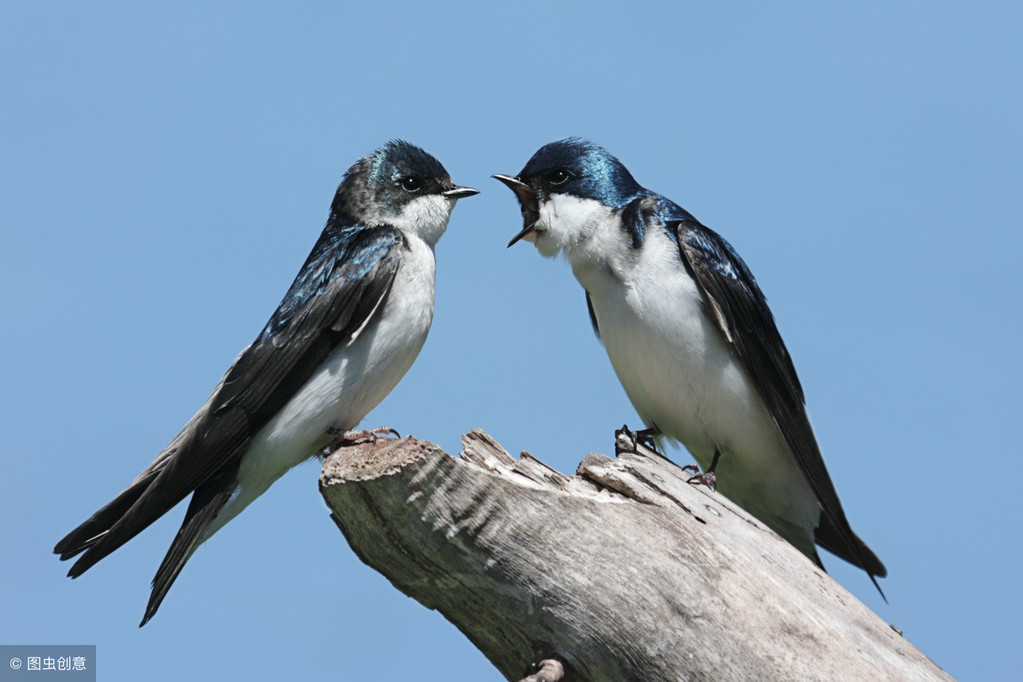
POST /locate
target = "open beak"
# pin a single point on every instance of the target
(459, 192)
(529, 202)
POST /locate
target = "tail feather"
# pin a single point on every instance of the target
(847, 545)
(159, 488)
(96, 526)
(207, 501)
(130, 513)
(136, 508)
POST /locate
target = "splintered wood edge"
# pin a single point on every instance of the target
(480, 448)
(612, 478)
(374, 459)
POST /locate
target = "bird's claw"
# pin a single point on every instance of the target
(627, 440)
(361, 435)
(708, 478)
(340, 439)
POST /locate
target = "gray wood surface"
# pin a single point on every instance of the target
(621, 572)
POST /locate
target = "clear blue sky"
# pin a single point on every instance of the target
(164, 172)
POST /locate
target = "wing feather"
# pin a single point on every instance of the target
(343, 283)
(740, 308)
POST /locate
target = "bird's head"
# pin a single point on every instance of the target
(565, 189)
(401, 185)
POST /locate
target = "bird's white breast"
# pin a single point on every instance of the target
(352, 381)
(683, 377)
(357, 376)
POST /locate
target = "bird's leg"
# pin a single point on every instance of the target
(629, 441)
(707, 478)
(340, 439)
(645, 437)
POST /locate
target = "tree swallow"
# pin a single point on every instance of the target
(346, 332)
(691, 339)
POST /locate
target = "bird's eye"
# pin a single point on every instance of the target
(560, 177)
(411, 184)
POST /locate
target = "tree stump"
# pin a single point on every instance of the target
(621, 572)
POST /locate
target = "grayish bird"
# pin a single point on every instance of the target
(348, 329)
(691, 338)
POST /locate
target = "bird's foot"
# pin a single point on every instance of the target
(707, 478)
(628, 441)
(360, 435)
(340, 439)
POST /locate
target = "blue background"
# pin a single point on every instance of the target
(164, 172)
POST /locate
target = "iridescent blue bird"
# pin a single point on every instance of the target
(691, 339)
(348, 329)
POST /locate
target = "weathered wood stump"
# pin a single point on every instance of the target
(622, 572)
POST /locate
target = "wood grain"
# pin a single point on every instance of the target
(621, 572)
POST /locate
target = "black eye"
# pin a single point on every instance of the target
(560, 177)
(411, 184)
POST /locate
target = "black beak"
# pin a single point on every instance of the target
(459, 192)
(528, 200)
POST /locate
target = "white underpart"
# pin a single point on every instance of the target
(675, 364)
(355, 377)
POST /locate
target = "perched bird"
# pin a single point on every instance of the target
(346, 332)
(691, 339)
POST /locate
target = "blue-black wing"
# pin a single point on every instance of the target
(344, 281)
(732, 297)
